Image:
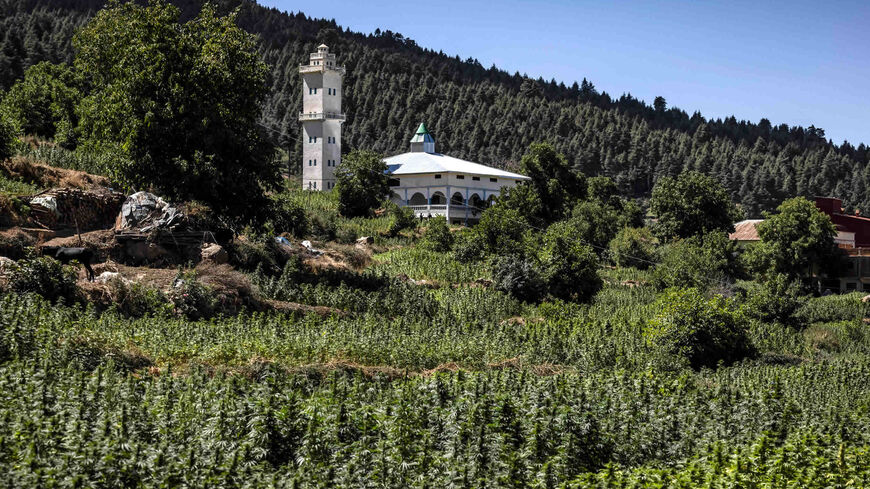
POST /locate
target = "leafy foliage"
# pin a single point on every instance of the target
(437, 236)
(795, 240)
(44, 276)
(702, 331)
(7, 137)
(569, 267)
(776, 299)
(361, 183)
(518, 277)
(44, 103)
(633, 247)
(692, 204)
(699, 262)
(182, 100)
(556, 185)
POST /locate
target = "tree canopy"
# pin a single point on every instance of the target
(361, 183)
(180, 100)
(795, 240)
(692, 204)
(44, 102)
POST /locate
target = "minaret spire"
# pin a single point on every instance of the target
(422, 140)
(321, 119)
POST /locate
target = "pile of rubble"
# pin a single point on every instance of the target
(83, 210)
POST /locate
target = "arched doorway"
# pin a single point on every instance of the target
(475, 202)
(438, 199)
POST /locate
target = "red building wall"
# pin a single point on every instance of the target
(856, 224)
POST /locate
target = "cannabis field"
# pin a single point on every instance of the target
(410, 386)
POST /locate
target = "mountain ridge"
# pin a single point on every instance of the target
(487, 114)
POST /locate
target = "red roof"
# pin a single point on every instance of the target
(745, 230)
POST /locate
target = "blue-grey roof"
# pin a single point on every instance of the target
(421, 163)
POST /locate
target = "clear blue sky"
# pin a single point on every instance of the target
(796, 62)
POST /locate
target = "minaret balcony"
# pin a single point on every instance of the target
(322, 116)
(321, 68)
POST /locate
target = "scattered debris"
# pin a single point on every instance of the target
(107, 277)
(365, 241)
(83, 210)
(144, 212)
(308, 246)
(214, 253)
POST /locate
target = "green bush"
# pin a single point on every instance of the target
(776, 299)
(518, 277)
(570, 268)
(699, 331)
(438, 236)
(700, 261)
(44, 276)
(138, 300)
(633, 247)
(7, 137)
(287, 215)
(401, 218)
(468, 246)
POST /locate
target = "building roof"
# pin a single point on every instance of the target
(420, 162)
(422, 135)
(746, 231)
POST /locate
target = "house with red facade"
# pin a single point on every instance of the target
(853, 237)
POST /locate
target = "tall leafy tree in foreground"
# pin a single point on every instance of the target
(180, 101)
(797, 241)
(692, 204)
(361, 183)
(557, 186)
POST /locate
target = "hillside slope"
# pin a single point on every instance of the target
(489, 115)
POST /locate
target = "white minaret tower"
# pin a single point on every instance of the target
(321, 119)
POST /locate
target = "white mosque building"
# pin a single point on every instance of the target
(431, 183)
(434, 184)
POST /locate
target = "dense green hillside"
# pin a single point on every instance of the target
(490, 115)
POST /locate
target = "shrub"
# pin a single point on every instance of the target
(253, 251)
(699, 261)
(633, 247)
(777, 299)
(438, 236)
(570, 268)
(518, 277)
(400, 218)
(7, 138)
(137, 300)
(468, 246)
(44, 276)
(361, 183)
(699, 331)
(191, 298)
(287, 215)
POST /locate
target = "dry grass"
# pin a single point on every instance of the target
(44, 176)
